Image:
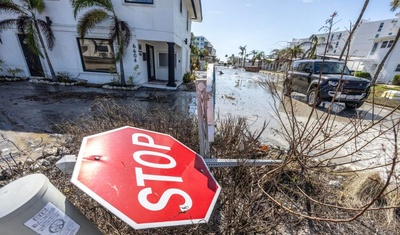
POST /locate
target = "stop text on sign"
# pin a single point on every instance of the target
(142, 177)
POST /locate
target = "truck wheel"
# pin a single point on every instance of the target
(313, 97)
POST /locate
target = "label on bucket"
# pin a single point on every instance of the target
(51, 220)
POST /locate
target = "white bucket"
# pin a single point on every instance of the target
(32, 205)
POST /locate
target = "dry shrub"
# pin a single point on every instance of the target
(362, 188)
(241, 208)
(245, 205)
(107, 115)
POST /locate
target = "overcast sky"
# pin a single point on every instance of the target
(265, 25)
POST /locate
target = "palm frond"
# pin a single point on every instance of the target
(23, 22)
(89, 20)
(10, 7)
(121, 33)
(79, 5)
(8, 23)
(48, 33)
(126, 34)
(114, 29)
(36, 5)
(394, 4)
(32, 40)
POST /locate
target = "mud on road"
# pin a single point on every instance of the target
(29, 107)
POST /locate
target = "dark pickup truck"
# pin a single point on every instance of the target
(335, 83)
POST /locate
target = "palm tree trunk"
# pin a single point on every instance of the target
(354, 29)
(122, 73)
(380, 67)
(46, 56)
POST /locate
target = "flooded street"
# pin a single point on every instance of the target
(240, 93)
(37, 108)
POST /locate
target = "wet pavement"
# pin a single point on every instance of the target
(29, 107)
(33, 109)
(37, 108)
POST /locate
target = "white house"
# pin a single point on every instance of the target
(161, 32)
(369, 45)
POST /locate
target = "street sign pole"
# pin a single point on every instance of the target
(67, 163)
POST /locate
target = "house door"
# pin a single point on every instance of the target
(150, 63)
(32, 60)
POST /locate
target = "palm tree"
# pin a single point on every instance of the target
(194, 58)
(261, 57)
(295, 51)
(103, 11)
(315, 41)
(253, 59)
(394, 4)
(242, 53)
(347, 43)
(233, 59)
(31, 27)
(280, 56)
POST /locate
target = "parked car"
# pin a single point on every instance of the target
(326, 80)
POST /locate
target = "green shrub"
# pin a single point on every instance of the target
(14, 71)
(362, 74)
(64, 77)
(188, 77)
(396, 79)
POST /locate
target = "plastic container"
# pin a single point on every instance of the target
(32, 205)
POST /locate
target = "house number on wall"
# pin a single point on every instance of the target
(134, 53)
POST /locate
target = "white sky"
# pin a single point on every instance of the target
(264, 25)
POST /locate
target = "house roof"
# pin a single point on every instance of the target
(195, 10)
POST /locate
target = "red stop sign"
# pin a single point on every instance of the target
(147, 179)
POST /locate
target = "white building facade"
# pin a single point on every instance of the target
(369, 45)
(202, 43)
(159, 49)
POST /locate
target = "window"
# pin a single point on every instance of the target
(180, 6)
(377, 35)
(97, 55)
(307, 67)
(340, 36)
(390, 43)
(380, 27)
(374, 48)
(163, 60)
(140, 1)
(384, 44)
(397, 68)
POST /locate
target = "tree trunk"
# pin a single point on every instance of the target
(122, 73)
(380, 66)
(354, 29)
(46, 56)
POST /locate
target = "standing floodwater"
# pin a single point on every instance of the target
(240, 93)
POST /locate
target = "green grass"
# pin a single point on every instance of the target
(379, 89)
